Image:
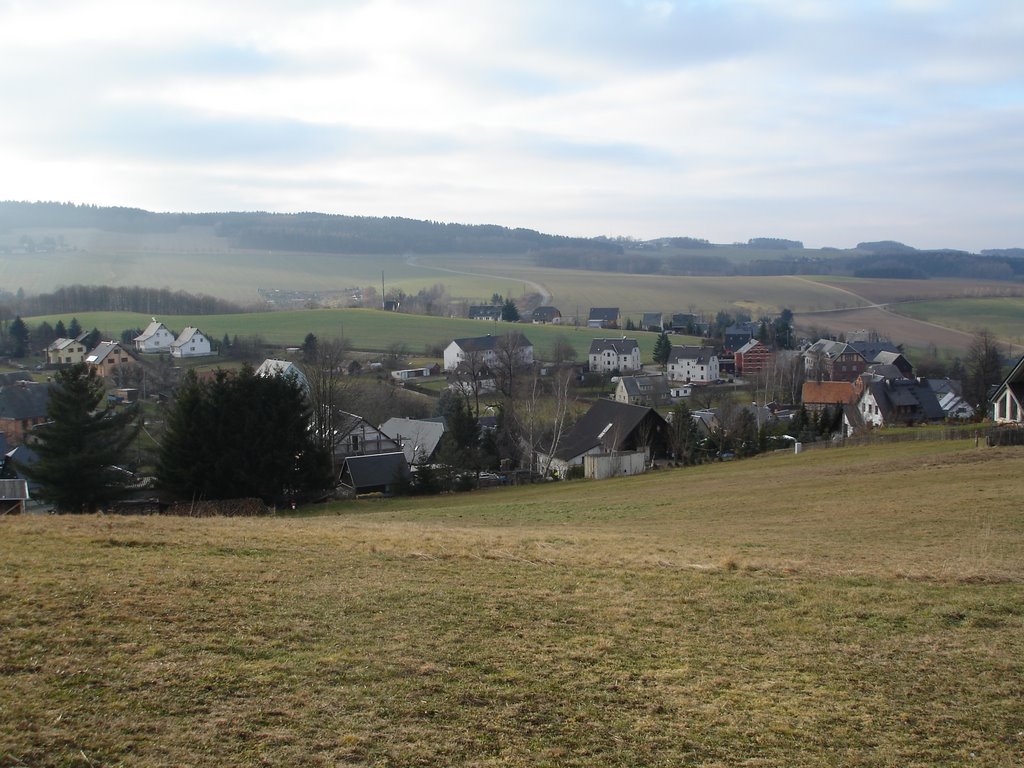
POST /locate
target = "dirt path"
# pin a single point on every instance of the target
(879, 317)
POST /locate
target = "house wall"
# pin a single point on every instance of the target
(72, 353)
(16, 429)
(752, 361)
(869, 410)
(197, 346)
(158, 342)
(1007, 409)
(608, 360)
(619, 464)
(691, 370)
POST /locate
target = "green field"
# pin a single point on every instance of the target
(752, 613)
(367, 329)
(195, 260)
(1003, 316)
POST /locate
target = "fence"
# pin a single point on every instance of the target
(991, 434)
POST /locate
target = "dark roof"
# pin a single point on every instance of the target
(12, 377)
(700, 354)
(103, 349)
(607, 314)
(484, 311)
(374, 471)
(651, 318)
(621, 346)
(607, 423)
(484, 343)
(655, 387)
(914, 399)
(871, 349)
(546, 314)
(24, 400)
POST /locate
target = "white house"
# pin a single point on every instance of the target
(693, 364)
(191, 343)
(156, 338)
(607, 355)
(486, 350)
(1008, 402)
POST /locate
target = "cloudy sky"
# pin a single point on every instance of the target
(828, 121)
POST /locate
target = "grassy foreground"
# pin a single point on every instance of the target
(846, 607)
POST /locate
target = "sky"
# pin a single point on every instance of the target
(831, 122)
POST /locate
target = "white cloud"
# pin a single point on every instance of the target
(625, 113)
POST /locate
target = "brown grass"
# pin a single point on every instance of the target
(848, 607)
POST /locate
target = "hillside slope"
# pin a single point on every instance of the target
(852, 606)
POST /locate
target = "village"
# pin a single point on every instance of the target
(743, 389)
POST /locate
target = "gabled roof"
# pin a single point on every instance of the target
(886, 371)
(374, 470)
(1014, 380)
(828, 392)
(621, 346)
(546, 314)
(832, 349)
(59, 344)
(185, 336)
(700, 355)
(605, 314)
(608, 423)
(914, 399)
(13, 377)
(484, 312)
(870, 350)
(645, 386)
(751, 345)
(651, 318)
(151, 330)
(24, 400)
(419, 438)
(103, 349)
(489, 342)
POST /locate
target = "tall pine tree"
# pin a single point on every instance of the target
(81, 449)
(241, 436)
(662, 349)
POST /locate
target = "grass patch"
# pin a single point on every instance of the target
(367, 329)
(855, 606)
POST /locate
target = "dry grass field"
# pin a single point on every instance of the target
(858, 607)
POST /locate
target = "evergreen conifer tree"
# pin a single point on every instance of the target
(509, 312)
(19, 337)
(662, 349)
(81, 449)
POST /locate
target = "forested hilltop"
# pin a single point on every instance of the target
(37, 226)
(308, 232)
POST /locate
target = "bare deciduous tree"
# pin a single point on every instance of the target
(328, 387)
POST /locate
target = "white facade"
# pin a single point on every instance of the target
(191, 343)
(484, 350)
(869, 409)
(693, 364)
(607, 355)
(156, 338)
